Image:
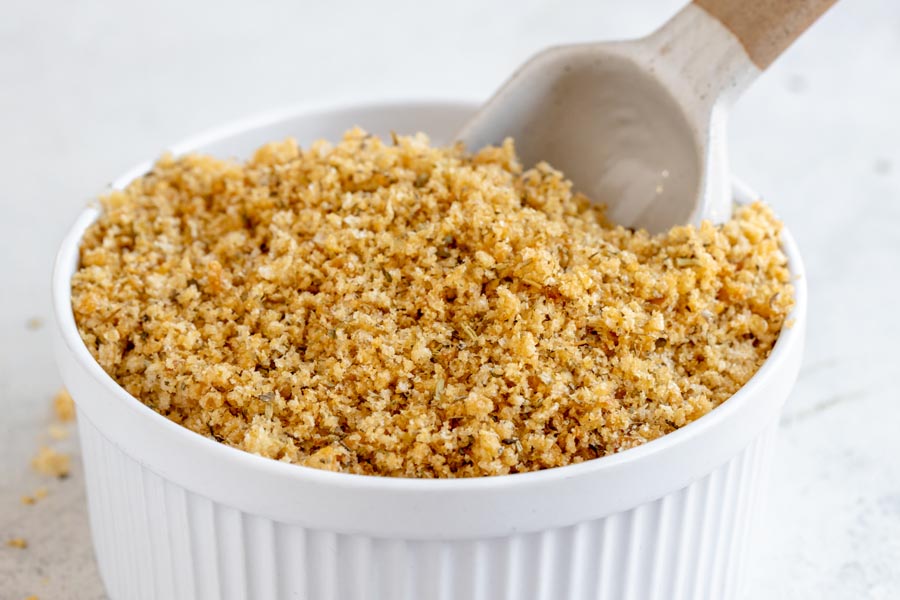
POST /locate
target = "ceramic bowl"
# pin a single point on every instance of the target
(177, 516)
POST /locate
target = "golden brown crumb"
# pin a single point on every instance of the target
(32, 598)
(405, 310)
(57, 432)
(34, 323)
(39, 494)
(50, 462)
(64, 406)
(17, 542)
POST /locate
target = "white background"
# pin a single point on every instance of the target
(89, 88)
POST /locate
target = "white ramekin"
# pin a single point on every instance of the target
(177, 516)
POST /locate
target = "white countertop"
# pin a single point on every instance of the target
(89, 88)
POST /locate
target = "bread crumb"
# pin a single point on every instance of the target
(52, 463)
(34, 323)
(17, 542)
(405, 310)
(39, 494)
(64, 406)
(57, 432)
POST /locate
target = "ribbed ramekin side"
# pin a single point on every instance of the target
(156, 540)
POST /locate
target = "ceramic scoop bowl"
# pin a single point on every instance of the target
(640, 125)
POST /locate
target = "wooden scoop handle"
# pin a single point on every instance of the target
(765, 28)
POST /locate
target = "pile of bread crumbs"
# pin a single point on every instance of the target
(404, 310)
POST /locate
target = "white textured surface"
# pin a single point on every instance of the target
(88, 88)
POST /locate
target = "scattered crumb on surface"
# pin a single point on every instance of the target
(64, 406)
(17, 542)
(39, 494)
(406, 310)
(57, 431)
(34, 323)
(50, 462)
